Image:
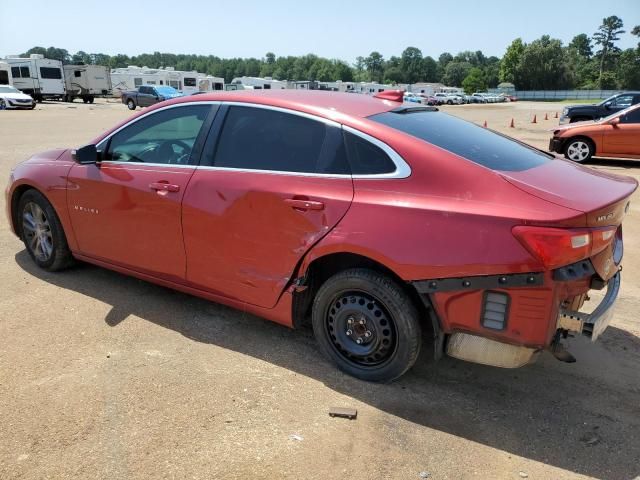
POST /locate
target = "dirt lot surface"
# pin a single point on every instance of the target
(105, 376)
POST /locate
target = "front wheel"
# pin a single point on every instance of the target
(579, 150)
(131, 104)
(367, 325)
(42, 232)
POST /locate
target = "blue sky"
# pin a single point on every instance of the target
(332, 28)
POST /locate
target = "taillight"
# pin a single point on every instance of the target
(557, 247)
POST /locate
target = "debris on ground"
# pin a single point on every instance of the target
(350, 413)
(523, 474)
(425, 475)
(295, 436)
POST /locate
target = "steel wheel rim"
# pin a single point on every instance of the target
(357, 315)
(578, 151)
(37, 231)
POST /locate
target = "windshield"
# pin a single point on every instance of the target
(7, 89)
(166, 90)
(465, 139)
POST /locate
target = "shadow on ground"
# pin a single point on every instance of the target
(550, 412)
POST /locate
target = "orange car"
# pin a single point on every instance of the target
(617, 135)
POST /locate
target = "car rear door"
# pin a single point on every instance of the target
(622, 138)
(272, 184)
(126, 210)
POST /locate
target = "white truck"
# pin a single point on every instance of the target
(86, 82)
(37, 76)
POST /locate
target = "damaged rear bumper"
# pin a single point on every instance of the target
(592, 324)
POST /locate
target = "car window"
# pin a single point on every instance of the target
(623, 101)
(465, 139)
(265, 139)
(631, 117)
(366, 158)
(166, 136)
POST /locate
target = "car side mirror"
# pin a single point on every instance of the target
(614, 121)
(607, 105)
(85, 155)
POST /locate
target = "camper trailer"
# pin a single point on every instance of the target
(257, 83)
(132, 77)
(37, 76)
(86, 82)
(5, 74)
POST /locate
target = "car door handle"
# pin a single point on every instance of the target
(301, 204)
(164, 187)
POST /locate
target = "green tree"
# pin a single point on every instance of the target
(474, 81)
(430, 70)
(582, 45)
(511, 61)
(411, 65)
(608, 33)
(628, 69)
(374, 64)
(455, 73)
(543, 66)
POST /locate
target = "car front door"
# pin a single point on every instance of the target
(622, 138)
(126, 210)
(146, 96)
(276, 182)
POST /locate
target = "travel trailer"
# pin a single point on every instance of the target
(258, 83)
(86, 82)
(37, 76)
(5, 74)
(132, 77)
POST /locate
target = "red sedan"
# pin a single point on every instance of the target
(373, 218)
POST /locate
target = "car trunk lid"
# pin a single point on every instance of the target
(601, 196)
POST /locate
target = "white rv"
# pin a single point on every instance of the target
(37, 76)
(86, 82)
(257, 83)
(132, 77)
(5, 74)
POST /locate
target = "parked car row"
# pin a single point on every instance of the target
(447, 98)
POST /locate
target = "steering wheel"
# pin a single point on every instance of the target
(167, 153)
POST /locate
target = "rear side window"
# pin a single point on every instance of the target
(365, 158)
(49, 72)
(463, 138)
(264, 139)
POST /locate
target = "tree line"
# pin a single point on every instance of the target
(587, 62)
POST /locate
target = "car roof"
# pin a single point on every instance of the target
(333, 105)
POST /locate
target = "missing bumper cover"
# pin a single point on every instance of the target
(487, 282)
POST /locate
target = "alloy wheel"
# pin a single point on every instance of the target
(361, 329)
(578, 151)
(37, 231)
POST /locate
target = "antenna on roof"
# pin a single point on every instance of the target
(392, 95)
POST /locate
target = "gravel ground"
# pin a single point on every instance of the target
(105, 376)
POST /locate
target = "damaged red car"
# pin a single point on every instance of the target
(375, 219)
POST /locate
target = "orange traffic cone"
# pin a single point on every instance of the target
(511, 125)
(556, 116)
(535, 120)
(484, 124)
(546, 117)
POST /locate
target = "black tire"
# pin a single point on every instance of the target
(449, 102)
(131, 105)
(60, 256)
(361, 304)
(91, 98)
(579, 149)
(3, 104)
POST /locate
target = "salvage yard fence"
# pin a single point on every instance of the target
(551, 95)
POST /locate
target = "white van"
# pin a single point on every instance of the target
(86, 82)
(37, 76)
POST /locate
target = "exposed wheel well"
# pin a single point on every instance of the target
(321, 269)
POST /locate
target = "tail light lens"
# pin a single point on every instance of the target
(557, 247)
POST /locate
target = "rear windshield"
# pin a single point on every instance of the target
(465, 139)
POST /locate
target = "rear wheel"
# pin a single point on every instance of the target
(131, 104)
(42, 232)
(367, 325)
(579, 149)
